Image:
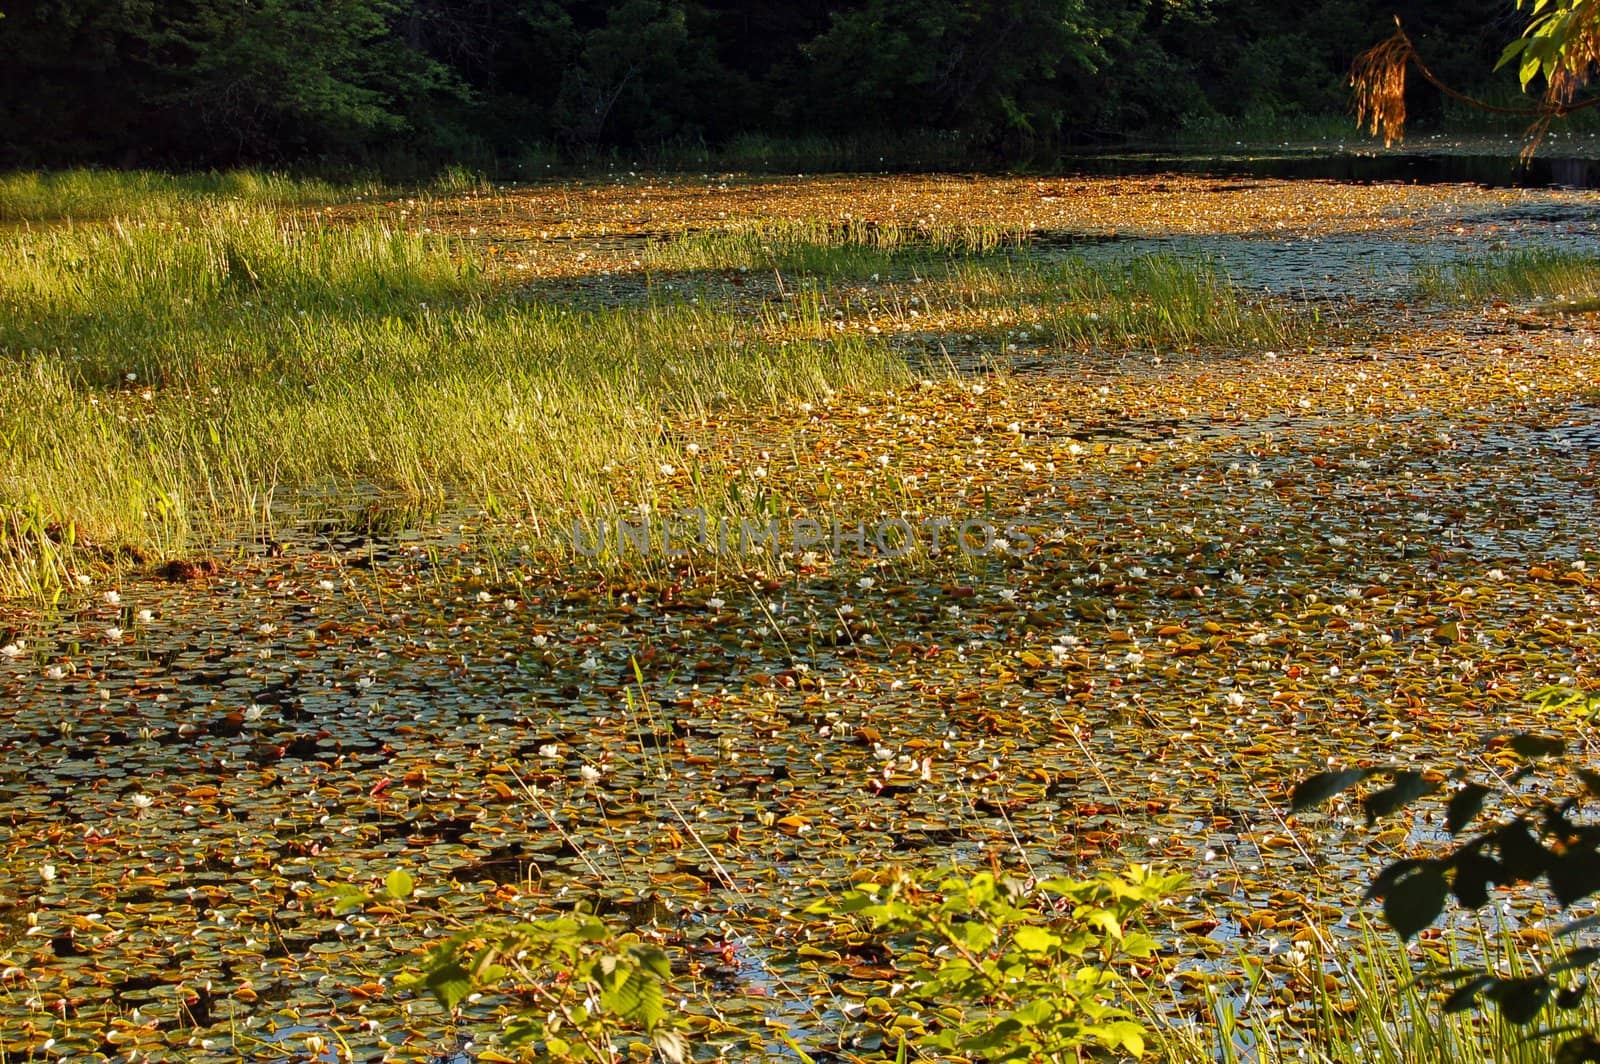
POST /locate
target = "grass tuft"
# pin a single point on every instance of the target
(97, 195)
(1570, 278)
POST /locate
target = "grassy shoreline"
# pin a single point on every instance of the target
(168, 375)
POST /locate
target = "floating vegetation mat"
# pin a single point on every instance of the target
(1167, 586)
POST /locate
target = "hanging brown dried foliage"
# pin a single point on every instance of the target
(1580, 57)
(1379, 80)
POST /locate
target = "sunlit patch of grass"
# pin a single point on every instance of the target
(981, 269)
(854, 248)
(1140, 302)
(1570, 278)
(90, 195)
(161, 386)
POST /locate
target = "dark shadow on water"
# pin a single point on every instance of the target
(1489, 171)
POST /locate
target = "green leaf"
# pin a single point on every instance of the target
(1463, 806)
(1521, 999)
(1532, 746)
(1581, 957)
(1035, 940)
(1573, 875)
(654, 961)
(1407, 788)
(1465, 996)
(1522, 858)
(1510, 52)
(449, 984)
(1415, 901)
(1583, 1049)
(1324, 785)
(399, 884)
(1529, 68)
(1125, 1034)
(1474, 872)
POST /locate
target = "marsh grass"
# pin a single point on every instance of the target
(1369, 1008)
(1571, 279)
(173, 381)
(852, 249)
(983, 269)
(163, 384)
(97, 195)
(1143, 302)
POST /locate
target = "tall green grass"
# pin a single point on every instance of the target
(1368, 1008)
(1570, 277)
(162, 385)
(96, 195)
(1141, 302)
(832, 250)
(980, 269)
(173, 381)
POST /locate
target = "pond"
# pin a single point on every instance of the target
(1243, 564)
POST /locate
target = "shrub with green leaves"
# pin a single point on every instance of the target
(1533, 832)
(588, 990)
(1009, 972)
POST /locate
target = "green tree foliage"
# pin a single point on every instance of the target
(954, 63)
(212, 82)
(209, 80)
(1508, 831)
(290, 76)
(638, 76)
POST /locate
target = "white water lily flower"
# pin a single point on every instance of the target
(11, 650)
(112, 598)
(590, 773)
(114, 633)
(715, 603)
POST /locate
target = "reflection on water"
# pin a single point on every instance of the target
(1490, 171)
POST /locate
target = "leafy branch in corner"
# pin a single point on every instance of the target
(1536, 838)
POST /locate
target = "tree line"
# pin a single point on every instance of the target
(222, 82)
